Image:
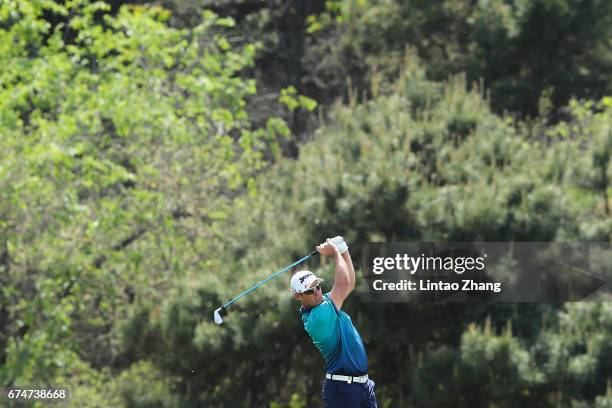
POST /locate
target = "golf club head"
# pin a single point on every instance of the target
(218, 318)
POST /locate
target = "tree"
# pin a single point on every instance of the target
(124, 142)
(422, 161)
(523, 50)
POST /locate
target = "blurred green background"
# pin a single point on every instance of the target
(158, 158)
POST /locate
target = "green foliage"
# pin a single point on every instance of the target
(138, 386)
(296, 402)
(124, 142)
(565, 365)
(521, 49)
(293, 101)
(487, 367)
(429, 165)
(136, 194)
(144, 386)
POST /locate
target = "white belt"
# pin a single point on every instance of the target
(346, 378)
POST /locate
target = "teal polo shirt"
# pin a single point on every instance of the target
(333, 333)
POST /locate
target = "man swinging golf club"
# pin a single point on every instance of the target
(346, 382)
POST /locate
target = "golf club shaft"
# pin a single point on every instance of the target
(274, 275)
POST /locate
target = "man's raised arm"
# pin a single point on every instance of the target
(351, 271)
(344, 280)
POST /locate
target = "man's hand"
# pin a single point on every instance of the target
(340, 243)
(342, 280)
(327, 248)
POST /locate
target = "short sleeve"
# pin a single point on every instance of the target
(321, 322)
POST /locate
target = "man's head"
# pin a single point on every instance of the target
(306, 288)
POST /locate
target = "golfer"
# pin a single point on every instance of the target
(346, 382)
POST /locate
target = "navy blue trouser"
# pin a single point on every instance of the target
(340, 394)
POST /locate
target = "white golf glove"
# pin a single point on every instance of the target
(340, 244)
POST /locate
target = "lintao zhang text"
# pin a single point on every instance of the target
(466, 285)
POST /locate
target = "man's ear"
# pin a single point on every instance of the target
(297, 295)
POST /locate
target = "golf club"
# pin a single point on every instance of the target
(218, 315)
